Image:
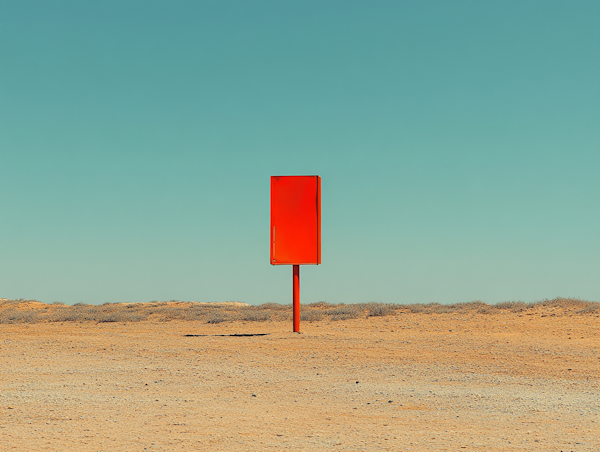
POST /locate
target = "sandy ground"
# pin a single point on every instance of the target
(431, 382)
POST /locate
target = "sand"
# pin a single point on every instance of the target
(433, 382)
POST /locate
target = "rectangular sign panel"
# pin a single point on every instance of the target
(295, 220)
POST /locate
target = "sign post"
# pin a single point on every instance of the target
(296, 298)
(295, 228)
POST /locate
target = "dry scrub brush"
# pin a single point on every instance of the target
(31, 311)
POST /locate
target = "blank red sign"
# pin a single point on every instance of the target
(295, 220)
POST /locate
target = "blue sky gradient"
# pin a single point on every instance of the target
(458, 142)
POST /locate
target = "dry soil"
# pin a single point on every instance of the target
(505, 381)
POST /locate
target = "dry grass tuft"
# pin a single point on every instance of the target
(514, 306)
(568, 303)
(320, 304)
(381, 309)
(347, 311)
(218, 317)
(31, 311)
(311, 316)
(16, 316)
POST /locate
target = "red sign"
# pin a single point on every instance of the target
(295, 220)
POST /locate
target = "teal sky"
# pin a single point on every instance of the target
(458, 145)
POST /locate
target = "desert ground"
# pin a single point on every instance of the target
(182, 376)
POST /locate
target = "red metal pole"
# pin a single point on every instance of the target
(296, 305)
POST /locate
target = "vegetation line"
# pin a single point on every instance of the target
(227, 335)
(31, 311)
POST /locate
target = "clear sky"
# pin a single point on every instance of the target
(458, 144)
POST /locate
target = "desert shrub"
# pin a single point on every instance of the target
(283, 315)
(590, 310)
(436, 308)
(347, 311)
(66, 316)
(4, 301)
(254, 316)
(218, 317)
(16, 316)
(167, 313)
(100, 314)
(381, 309)
(321, 304)
(312, 316)
(11, 311)
(126, 317)
(513, 306)
(415, 308)
(194, 314)
(164, 313)
(468, 306)
(344, 316)
(568, 303)
(273, 306)
(109, 318)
